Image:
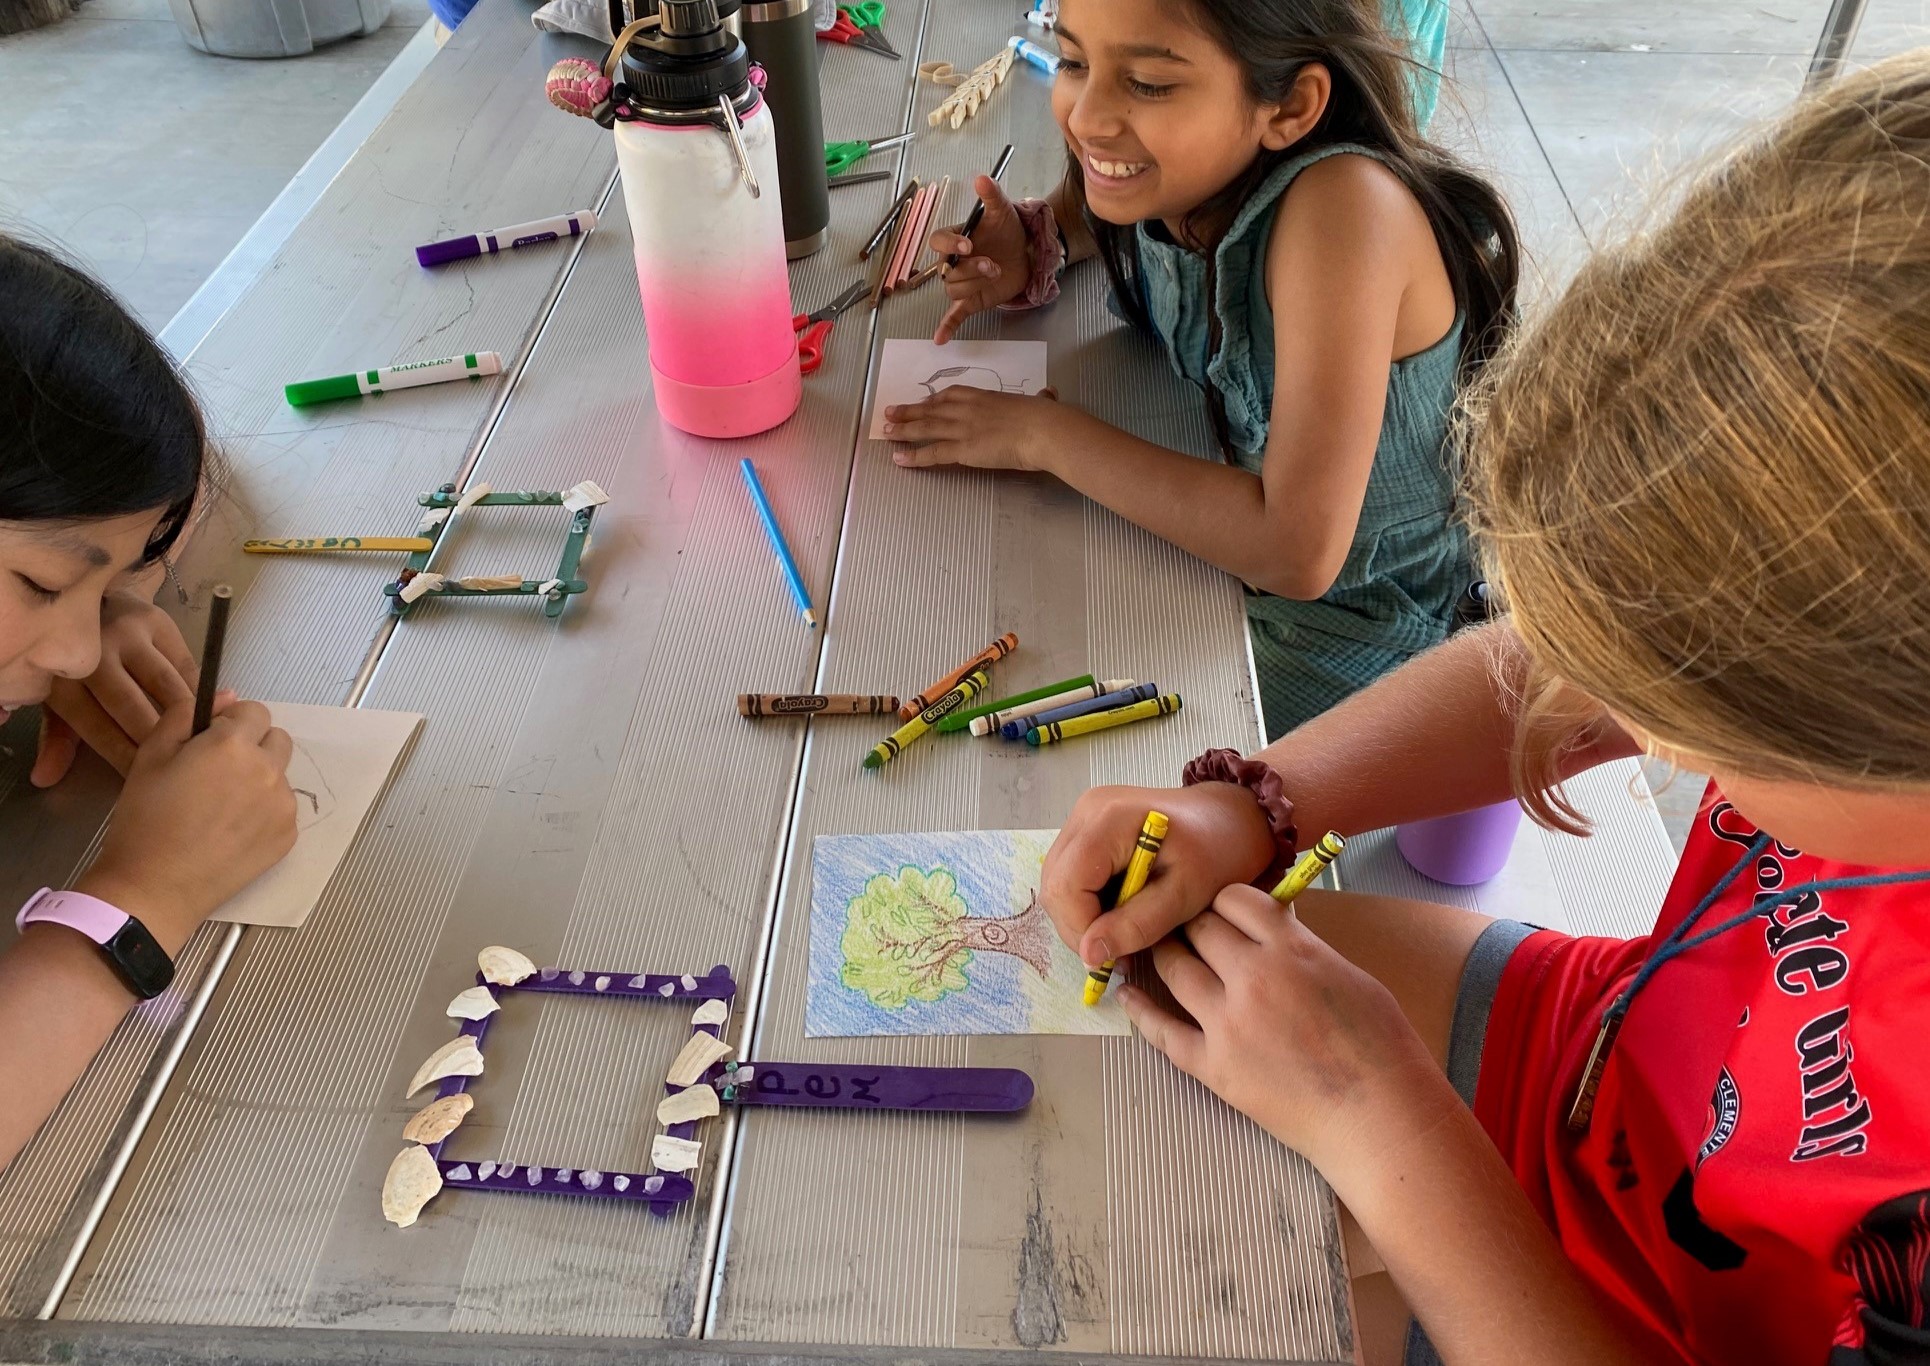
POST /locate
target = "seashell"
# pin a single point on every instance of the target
(473, 1004)
(504, 967)
(674, 1154)
(691, 1103)
(412, 1182)
(457, 1058)
(711, 1012)
(576, 86)
(439, 1118)
(696, 1059)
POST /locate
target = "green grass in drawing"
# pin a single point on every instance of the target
(940, 933)
(910, 937)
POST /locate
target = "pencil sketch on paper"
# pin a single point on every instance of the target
(940, 934)
(972, 376)
(315, 800)
(912, 371)
(340, 762)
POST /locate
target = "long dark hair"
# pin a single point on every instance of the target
(94, 420)
(1372, 105)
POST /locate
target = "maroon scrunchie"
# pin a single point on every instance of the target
(1228, 766)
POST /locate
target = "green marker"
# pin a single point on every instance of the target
(410, 376)
(961, 719)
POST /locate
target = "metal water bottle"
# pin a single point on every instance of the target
(782, 38)
(697, 150)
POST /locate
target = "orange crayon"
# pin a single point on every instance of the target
(984, 659)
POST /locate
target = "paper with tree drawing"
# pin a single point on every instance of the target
(941, 934)
(342, 761)
(912, 371)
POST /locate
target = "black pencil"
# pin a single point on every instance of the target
(978, 209)
(217, 637)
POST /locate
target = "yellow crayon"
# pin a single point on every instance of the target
(1164, 705)
(893, 745)
(1312, 864)
(401, 545)
(1138, 868)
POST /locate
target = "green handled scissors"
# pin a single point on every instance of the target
(869, 19)
(840, 157)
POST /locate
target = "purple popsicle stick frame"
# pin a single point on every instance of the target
(817, 1085)
(662, 1191)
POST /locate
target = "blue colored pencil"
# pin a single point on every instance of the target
(1125, 697)
(783, 551)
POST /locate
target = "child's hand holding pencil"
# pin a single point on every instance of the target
(994, 262)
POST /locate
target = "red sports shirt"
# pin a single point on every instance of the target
(1754, 1183)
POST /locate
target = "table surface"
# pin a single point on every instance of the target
(585, 791)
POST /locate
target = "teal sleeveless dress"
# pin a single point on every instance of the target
(1410, 560)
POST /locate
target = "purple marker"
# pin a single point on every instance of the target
(522, 235)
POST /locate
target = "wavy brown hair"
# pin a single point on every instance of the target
(1702, 482)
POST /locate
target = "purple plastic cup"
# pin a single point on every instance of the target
(1463, 849)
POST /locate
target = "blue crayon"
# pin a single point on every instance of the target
(1125, 697)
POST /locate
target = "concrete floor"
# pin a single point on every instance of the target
(153, 200)
(1581, 108)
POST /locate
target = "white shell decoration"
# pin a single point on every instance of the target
(473, 1004)
(457, 1058)
(710, 1013)
(675, 1154)
(438, 1119)
(412, 1182)
(504, 967)
(696, 1059)
(695, 1102)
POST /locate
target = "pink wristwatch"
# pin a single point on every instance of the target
(142, 963)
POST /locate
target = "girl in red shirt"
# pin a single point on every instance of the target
(1702, 485)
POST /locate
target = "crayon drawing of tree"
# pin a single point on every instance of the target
(910, 937)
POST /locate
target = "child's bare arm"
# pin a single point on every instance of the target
(1429, 739)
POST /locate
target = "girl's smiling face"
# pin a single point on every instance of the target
(1158, 113)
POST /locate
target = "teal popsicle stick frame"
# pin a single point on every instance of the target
(565, 582)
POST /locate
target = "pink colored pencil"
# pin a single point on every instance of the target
(907, 241)
(932, 210)
(902, 246)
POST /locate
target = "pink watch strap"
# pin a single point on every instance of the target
(93, 917)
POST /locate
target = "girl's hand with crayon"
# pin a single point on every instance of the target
(994, 263)
(1216, 835)
(145, 667)
(1287, 1031)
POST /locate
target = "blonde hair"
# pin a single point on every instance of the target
(1702, 481)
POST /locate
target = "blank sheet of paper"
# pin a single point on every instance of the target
(912, 371)
(342, 761)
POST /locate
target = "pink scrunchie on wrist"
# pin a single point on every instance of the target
(1228, 766)
(1048, 256)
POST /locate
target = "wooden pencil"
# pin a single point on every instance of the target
(211, 647)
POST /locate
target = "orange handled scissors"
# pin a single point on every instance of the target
(814, 329)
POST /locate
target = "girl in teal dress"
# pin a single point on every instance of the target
(1251, 176)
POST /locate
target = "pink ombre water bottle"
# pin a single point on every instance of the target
(697, 152)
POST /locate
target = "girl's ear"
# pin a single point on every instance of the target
(1285, 123)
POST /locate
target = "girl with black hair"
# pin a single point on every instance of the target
(1250, 176)
(101, 457)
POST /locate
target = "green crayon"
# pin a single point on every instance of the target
(894, 744)
(959, 720)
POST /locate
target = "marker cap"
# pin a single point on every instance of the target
(309, 391)
(455, 249)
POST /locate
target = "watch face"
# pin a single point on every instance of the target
(143, 963)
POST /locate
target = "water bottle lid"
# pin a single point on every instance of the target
(690, 60)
